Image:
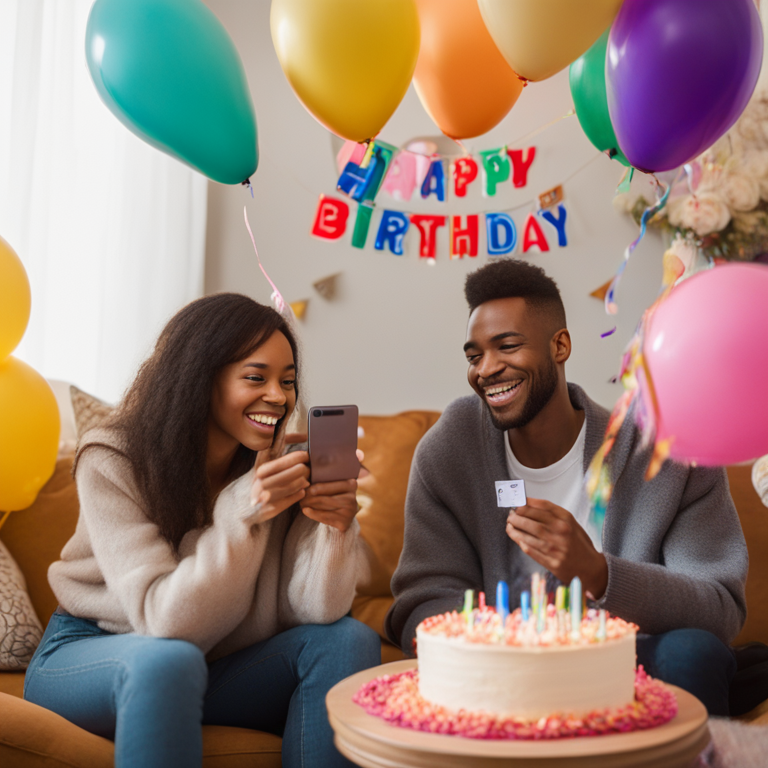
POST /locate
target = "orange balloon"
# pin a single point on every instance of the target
(463, 81)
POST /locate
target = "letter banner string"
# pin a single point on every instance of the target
(360, 182)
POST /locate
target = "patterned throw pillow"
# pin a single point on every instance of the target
(89, 410)
(20, 629)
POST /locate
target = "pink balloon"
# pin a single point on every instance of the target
(707, 352)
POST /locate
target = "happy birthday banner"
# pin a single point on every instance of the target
(380, 166)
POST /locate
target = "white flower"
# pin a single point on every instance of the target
(704, 213)
(751, 129)
(758, 105)
(754, 162)
(740, 192)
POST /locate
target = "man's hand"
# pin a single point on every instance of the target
(333, 504)
(551, 536)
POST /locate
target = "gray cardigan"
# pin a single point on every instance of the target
(675, 549)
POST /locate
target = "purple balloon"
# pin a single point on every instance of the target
(678, 74)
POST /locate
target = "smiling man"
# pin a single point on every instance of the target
(672, 557)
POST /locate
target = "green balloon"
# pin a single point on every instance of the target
(587, 76)
(168, 70)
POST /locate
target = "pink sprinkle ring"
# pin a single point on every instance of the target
(396, 699)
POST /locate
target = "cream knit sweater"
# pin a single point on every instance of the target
(230, 585)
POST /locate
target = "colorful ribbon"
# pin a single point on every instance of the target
(277, 297)
(610, 305)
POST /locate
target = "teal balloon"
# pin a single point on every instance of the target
(590, 98)
(168, 70)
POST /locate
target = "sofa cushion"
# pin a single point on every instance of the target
(36, 535)
(20, 629)
(754, 521)
(89, 410)
(389, 443)
(33, 737)
(12, 683)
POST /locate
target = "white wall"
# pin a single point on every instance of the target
(392, 339)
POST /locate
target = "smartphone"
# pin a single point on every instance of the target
(332, 443)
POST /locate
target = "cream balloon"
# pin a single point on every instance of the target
(538, 38)
(349, 62)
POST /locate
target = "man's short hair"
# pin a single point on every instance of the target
(513, 278)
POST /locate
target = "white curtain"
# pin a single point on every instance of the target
(111, 231)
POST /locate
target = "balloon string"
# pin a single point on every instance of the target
(610, 305)
(4, 517)
(276, 297)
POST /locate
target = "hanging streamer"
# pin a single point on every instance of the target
(634, 375)
(610, 305)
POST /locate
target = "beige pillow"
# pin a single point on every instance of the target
(20, 629)
(89, 410)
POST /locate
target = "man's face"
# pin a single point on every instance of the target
(511, 362)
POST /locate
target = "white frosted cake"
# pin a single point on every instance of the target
(515, 670)
(545, 671)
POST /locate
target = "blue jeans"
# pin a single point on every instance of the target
(693, 660)
(151, 694)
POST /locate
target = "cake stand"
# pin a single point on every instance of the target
(372, 742)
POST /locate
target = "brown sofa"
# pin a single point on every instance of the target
(31, 736)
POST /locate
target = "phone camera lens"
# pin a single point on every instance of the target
(317, 413)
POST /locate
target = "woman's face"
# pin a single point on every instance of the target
(249, 396)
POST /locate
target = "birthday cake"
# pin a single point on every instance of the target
(545, 670)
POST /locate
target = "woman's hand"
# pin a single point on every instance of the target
(278, 481)
(333, 504)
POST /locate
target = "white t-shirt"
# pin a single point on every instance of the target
(562, 483)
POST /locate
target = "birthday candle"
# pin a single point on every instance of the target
(469, 602)
(481, 601)
(560, 608)
(535, 580)
(575, 608)
(502, 601)
(525, 605)
(601, 633)
(541, 617)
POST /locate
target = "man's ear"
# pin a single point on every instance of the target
(561, 346)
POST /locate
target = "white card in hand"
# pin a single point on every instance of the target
(510, 493)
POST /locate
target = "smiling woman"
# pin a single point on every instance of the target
(204, 561)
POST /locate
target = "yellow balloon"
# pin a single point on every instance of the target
(349, 61)
(538, 38)
(15, 299)
(29, 434)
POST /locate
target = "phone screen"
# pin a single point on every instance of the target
(332, 443)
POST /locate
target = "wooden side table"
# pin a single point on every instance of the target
(373, 743)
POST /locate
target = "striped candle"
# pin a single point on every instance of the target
(469, 604)
(535, 581)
